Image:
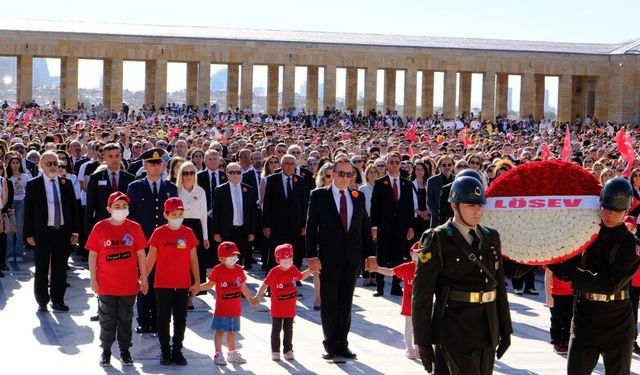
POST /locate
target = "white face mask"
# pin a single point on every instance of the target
(286, 263)
(231, 261)
(175, 223)
(119, 215)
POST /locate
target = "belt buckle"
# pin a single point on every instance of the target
(600, 297)
(487, 297)
(475, 297)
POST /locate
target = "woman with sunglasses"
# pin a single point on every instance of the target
(194, 199)
(18, 177)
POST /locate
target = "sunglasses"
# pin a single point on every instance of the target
(328, 176)
(474, 163)
(62, 166)
(51, 164)
(234, 173)
(345, 174)
(380, 166)
(446, 165)
(188, 173)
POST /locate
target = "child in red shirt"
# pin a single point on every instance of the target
(172, 249)
(406, 272)
(559, 295)
(282, 282)
(229, 280)
(116, 257)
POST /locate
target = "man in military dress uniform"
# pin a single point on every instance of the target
(602, 317)
(146, 208)
(460, 263)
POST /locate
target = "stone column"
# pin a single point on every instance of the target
(538, 105)
(449, 96)
(578, 97)
(69, 82)
(25, 79)
(502, 94)
(149, 82)
(272, 89)
(564, 97)
(370, 88)
(289, 86)
(351, 90)
(465, 93)
(602, 98)
(527, 94)
(246, 95)
(389, 89)
(160, 83)
(488, 96)
(192, 83)
(112, 83)
(233, 73)
(410, 87)
(427, 93)
(329, 94)
(312, 89)
(204, 84)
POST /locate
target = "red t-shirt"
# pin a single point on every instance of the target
(284, 293)
(117, 265)
(228, 282)
(406, 271)
(173, 267)
(635, 281)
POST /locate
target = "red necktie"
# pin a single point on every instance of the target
(343, 209)
(114, 184)
(395, 189)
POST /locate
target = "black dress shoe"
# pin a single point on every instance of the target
(348, 354)
(142, 330)
(105, 358)
(395, 292)
(125, 358)
(298, 283)
(60, 307)
(43, 308)
(4, 267)
(178, 358)
(202, 293)
(95, 318)
(636, 348)
(328, 355)
(165, 359)
(153, 329)
(378, 294)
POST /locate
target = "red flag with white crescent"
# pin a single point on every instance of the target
(625, 147)
(546, 153)
(566, 149)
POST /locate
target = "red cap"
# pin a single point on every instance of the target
(173, 204)
(117, 196)
(415, 248)
(283, 251)
(630, 220)
(227, 249)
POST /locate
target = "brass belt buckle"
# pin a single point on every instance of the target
(474, 297)
(487, 297)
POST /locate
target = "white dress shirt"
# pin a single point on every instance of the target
(336, 198)
(195, 207)
(236, 200)
(48, 187)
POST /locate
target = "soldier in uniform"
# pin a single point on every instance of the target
(460, 263)
(602, 315)
(146, 208)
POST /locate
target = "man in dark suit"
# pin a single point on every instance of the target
(146, 208)
(435, 183)
(251, 177)
(284, 209)
(209, 179)
(392, 220)
(235, 218)
(51, 222)
(338, 237)
(102, 184)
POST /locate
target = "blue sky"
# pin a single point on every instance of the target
(549, 20)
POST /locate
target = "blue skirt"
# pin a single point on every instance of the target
(226, 323)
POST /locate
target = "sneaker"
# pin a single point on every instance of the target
(518, 292)
(105, 358)
(235, 357)
(125, 358)
(275, 356)
(289, 356)
(411, 354)
(218, 359)
(178, 358)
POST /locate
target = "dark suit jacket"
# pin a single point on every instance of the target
(31, 167)
(36, 208)
(434, 185)
(98, 191)
(326, 237)
(134, 166)
(223, 207)
(205, 183)
(444, 210)
(285, 216)
(252, 179)
(307, 178)
(147, 209)
(388, 215)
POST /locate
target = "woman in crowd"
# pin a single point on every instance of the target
(197, 158)
(16, 174)
(174, 167)
(419, 182)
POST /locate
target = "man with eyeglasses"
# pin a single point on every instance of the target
(51, 222)
(434, 186)
(392, 220)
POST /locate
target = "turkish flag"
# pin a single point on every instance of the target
(625, 146)
(566, 149)
(546, 153)
(411, 133)
(315, 139)
(466, 141)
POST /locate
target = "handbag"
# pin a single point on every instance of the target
(9, 219)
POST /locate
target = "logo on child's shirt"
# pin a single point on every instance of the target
(181, 243)
(128, 239)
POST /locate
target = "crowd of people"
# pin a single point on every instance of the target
(236, 186)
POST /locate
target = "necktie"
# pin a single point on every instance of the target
(343, 209)
(114, 184)
(395, 189)
(475, 244)
(289, 188)
(155, 188)
(57, 215)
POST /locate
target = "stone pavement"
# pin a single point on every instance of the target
(67, 343)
